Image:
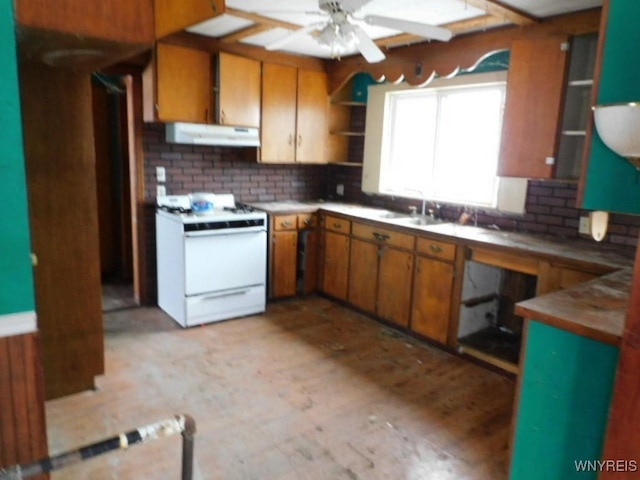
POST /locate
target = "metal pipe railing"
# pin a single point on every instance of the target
(183, 424)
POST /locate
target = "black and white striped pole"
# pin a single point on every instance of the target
(183, 424)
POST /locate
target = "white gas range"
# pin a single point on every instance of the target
(210, 267)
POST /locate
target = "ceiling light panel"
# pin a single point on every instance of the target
(220, 26)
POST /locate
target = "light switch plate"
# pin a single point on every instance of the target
(161, 191)
(161, 174)
(340, 189)
(584, 226)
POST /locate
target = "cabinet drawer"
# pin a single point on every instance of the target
(337, 224)
(388, 237)
(307, 220)
(436, 249)
(285, 222)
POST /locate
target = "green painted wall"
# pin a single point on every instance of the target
(613, 184)
(16, 280)
(564, 402)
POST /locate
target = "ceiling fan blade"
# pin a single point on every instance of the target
(369, 50)
(353, 5)
(281, 42)
(417, 28)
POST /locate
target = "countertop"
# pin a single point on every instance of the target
(595, 309)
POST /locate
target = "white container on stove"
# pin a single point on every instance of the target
(202, 203)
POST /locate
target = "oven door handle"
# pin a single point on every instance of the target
(225, 295)
(215, 233)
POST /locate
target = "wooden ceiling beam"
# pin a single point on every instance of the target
(245, 32)
(262, 20)
(502, 12)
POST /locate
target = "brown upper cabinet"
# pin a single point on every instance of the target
(178, 86)
(174, 15)
(237, 91)
(531, 124)
(122, 21)
(295, 106)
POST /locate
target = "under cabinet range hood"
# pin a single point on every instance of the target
(218, 135)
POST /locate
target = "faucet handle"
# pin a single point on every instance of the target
(413, 210)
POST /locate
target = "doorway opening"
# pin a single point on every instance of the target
(113, 178)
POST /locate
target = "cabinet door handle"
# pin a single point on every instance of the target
(290, 139)
(206, 115)
(299, 140)
(214, 6)
(222, 116)
(435, 248)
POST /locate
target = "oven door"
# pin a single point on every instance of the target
(219, 260)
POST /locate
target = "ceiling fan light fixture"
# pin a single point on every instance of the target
(338, 38)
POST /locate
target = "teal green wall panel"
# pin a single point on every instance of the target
(612, 183)
(563, 406)
(16, 281)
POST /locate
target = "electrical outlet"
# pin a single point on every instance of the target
(340, 189)
(161, 191)
(161, 174)
(584, 225)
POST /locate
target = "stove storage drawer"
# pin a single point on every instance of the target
(217, 306)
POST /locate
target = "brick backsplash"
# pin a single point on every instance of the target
(550, 208)
(226, 170)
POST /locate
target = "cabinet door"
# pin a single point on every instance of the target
(278, 123)
(174, 15)
(283, 273)
(336, 265)
(183, 83)
(238, 101)
(312, 117)
(431, 309)
(531, 122)
(394, 286)
(363, 274)
(310, 282)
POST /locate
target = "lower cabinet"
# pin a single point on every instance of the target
(431, 308)
(380, 274)
(394, 285)
(293, 255)
(433, 289)
(335, 268)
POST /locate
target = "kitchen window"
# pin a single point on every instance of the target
(440, 143)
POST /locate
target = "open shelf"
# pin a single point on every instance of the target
(348, 103)
(494, 346)
(348, 134)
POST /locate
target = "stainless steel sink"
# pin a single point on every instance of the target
(419, 220)
(393, 215)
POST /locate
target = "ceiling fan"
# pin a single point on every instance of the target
(340, 32)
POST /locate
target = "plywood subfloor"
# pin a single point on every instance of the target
(309, 390)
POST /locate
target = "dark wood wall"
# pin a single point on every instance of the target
(61, 183)
(23, 436)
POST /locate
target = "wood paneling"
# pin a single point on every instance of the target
(61, 182)
(174, 15)
(127, 21)
(623, 437)
(23, 435)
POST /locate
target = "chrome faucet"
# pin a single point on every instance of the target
(422, 196)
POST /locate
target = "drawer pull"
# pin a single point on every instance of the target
(285, 223)
(435, 248)
(307, 222)
(380, 236)
(337, 225)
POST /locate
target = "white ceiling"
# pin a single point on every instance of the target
(306, 12)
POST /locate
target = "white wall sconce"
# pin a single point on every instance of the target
(618, 125)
